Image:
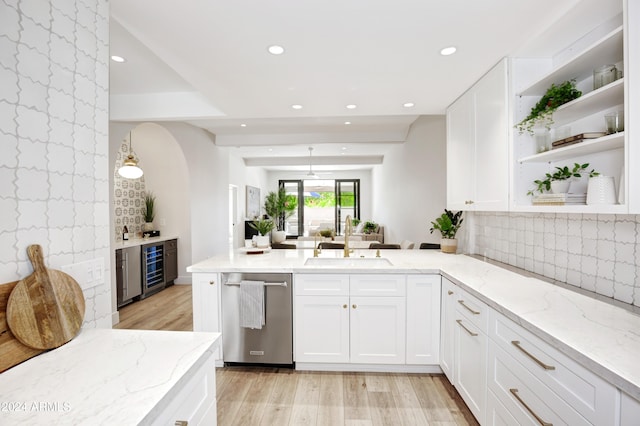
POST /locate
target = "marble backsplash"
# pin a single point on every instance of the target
(598, 253)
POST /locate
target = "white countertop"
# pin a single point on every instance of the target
(140, 241)
(602, 337)
(103, 376)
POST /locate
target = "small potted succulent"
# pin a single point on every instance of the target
(263, 226)
(448, 224)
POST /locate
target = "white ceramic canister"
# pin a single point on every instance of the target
(601, 190)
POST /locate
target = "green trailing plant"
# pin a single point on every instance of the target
(369, 227)
(448, 224)
(148, 210)
(279, 206)
(561, 173)
(542, 112)
(263, 226)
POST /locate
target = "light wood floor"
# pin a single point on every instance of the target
(278, 396)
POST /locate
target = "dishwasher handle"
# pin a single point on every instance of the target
(282, 284)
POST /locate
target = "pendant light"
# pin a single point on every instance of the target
(130, 169)
(311, 174)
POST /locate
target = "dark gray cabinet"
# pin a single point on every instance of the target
(170, 261)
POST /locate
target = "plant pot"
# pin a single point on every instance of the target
(560, 186)
(262, 241)
(147, 226)
(449, 245)
(278, 236)
(601, 190)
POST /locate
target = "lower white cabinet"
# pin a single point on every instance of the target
(423, 319)
(447, 328)
(497, 414)
(367, 326)
(206, 305)
(629, 410)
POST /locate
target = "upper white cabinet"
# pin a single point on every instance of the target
(478, 145)
(614, 42)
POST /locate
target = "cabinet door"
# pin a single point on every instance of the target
(423, 319)
(491, 178)
(471, 365)
(460, 153)
(321, 329)
(171, 260)
(206, 305)
(378, 327)
(447, 329)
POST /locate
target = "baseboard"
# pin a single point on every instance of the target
(115, 318)
(370, 368)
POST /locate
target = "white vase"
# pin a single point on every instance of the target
(560, 186)
(278, 236)
(449, 245)
(147, 226)
(262, 241)
(601, 190)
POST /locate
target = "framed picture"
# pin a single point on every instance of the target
(253, 202)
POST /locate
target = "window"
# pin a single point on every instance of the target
(322, 204)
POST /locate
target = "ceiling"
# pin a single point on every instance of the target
(206, 62)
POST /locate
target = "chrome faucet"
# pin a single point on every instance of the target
(348, 229)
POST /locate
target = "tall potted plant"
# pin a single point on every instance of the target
(149, 211)
(279, 207)
(448, 224)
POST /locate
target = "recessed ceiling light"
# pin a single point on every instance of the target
(276, 50)
(351, 106)
(344, 148)
(347, 122)
(448, 51)
(116, 58)
(296, 106)
(243, 125)
(408, 105)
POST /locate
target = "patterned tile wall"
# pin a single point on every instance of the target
(598, 253)
(54, 114)
(128, 197)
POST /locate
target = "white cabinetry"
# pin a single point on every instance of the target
(629, 410)
(423, 319)
(470, 352)
(477, 145)
(350, 319)
(206, 305)
(447, 328)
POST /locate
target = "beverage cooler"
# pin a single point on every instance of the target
(152, 268)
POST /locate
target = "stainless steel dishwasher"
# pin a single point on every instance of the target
(273, 343)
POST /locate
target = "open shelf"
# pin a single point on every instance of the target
(581, 208)
(607, 50)
(605, 97)
(590, 146)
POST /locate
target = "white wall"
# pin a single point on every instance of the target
(409, 188)
(54, 175)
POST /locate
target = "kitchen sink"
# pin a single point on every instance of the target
(364, 262)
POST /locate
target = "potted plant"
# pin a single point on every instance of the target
(327, 233)
(558, 182)
(448, 224)
(263, 226)
(369, 227)
(279, 207)
(542, 112)
(149, 211)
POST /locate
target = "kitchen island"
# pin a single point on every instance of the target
(117, 377)
(597, 336)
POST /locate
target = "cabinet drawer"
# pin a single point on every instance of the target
(587, 393)
(473, 309)
(528, 400)
(321, 284)
(378, 285)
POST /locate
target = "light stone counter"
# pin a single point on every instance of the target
(115, 377)
(602, 337)
(140, 241)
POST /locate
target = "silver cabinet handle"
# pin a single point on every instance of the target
(516, 343)
(466, 329)
(354, 306)
(449, 292)
(344, 306)
(468, 308)
(514, 392)
(212, 282)
(181, 423)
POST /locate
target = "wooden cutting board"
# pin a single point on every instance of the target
(12, 352)
(45, 310)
